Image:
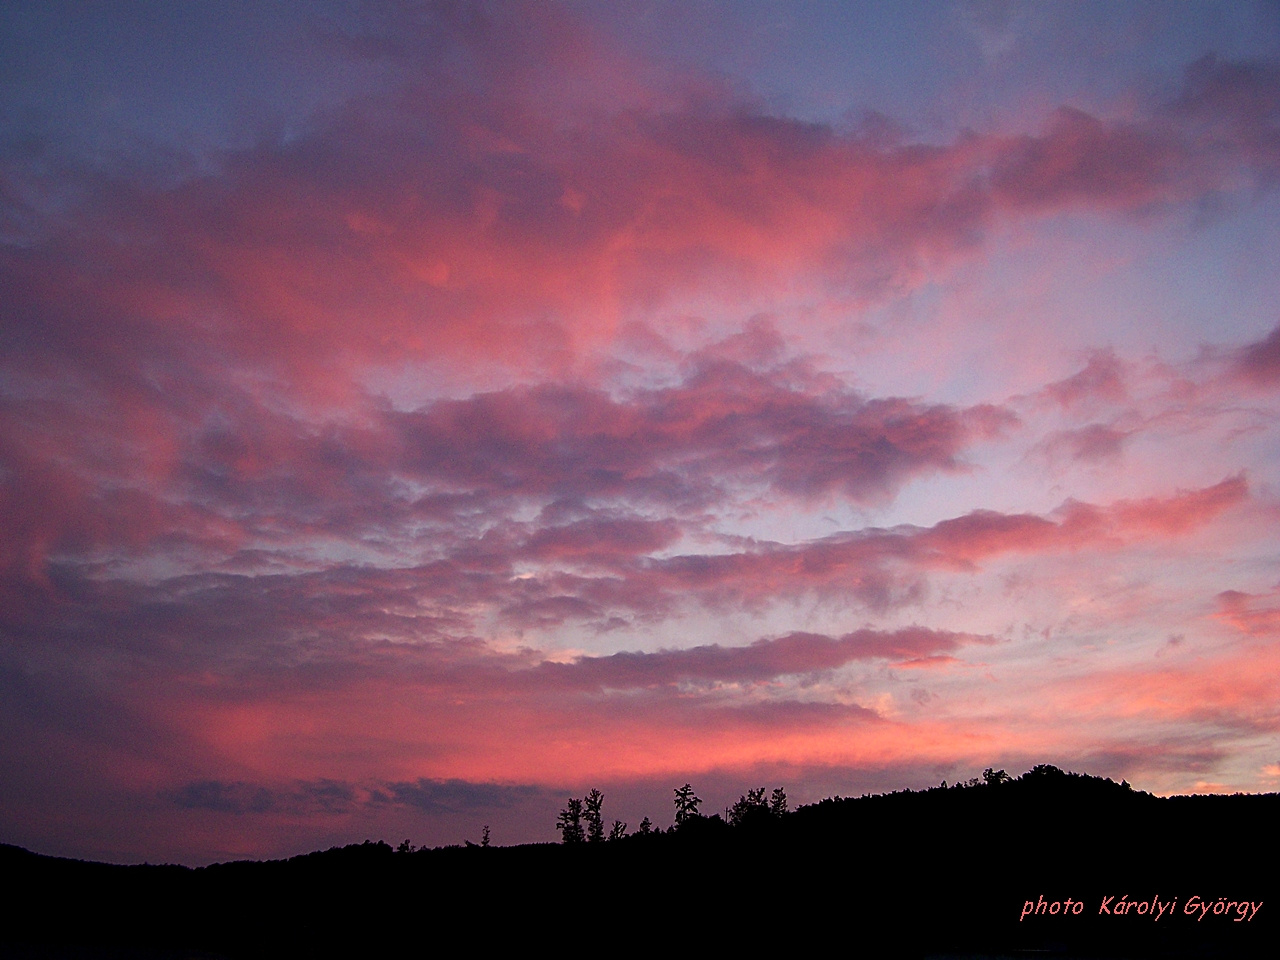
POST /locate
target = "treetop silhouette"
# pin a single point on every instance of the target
(754, 808)
(686, 802)
(591, 813)
(569, 823)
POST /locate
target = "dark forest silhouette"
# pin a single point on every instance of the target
(995, 864)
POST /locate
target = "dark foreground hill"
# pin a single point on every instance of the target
(1049, 864)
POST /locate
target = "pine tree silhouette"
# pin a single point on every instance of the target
(569, 823)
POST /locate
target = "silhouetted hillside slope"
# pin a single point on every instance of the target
(909, 873)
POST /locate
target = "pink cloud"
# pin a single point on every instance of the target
(1255, 616)
(442, 222)
(724, 425)
(1081, 159)
(1233, 692)
(1259, 363)
(1102, 379)
(763, 660)
(1180, 513)
(1094, 443)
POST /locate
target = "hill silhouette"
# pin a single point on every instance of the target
(1050, 863)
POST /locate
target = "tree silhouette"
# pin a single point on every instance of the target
(618, 831)
(778, 802)
(595, 823)
(484, 836)
(747, 808)
(686, 804)
(569, 823)
(994, 778)
(646, 827)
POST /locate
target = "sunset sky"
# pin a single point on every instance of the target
(415, 414)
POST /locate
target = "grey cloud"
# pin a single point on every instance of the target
(453, 796)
